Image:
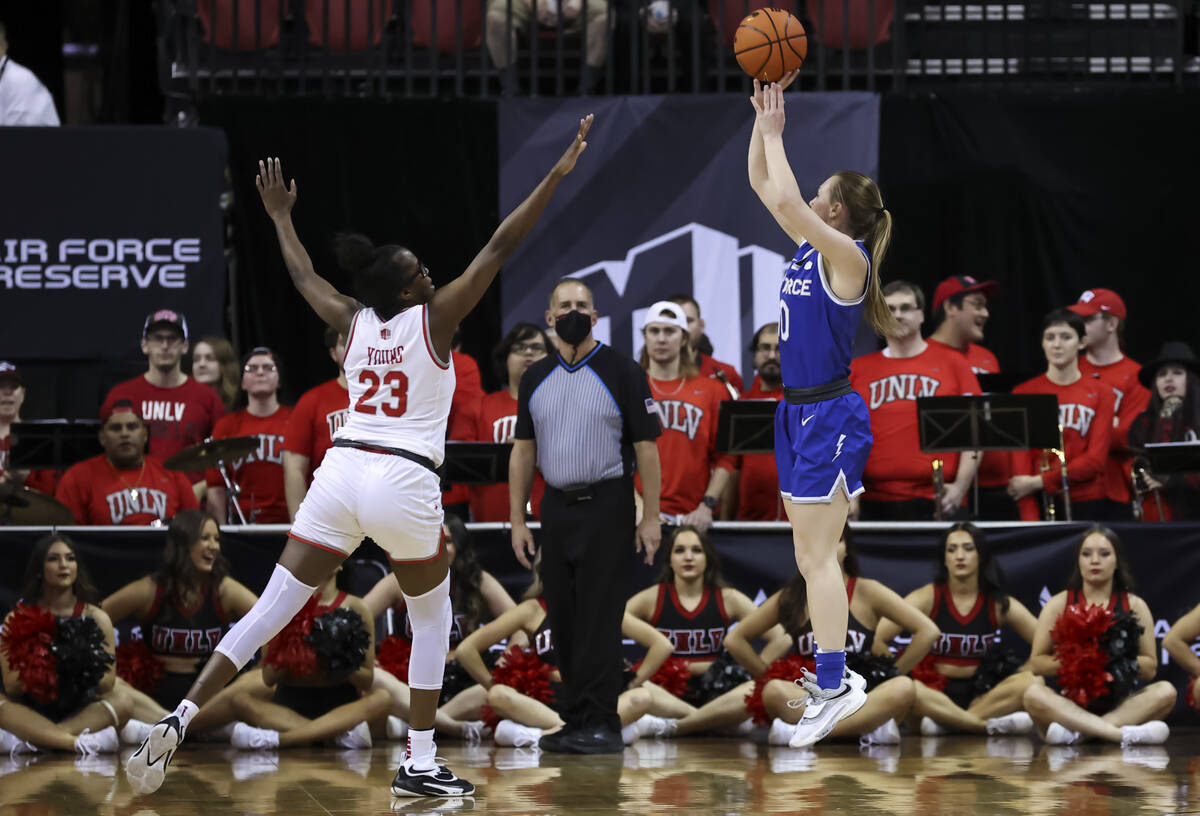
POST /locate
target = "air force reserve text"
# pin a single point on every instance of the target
(97, 263)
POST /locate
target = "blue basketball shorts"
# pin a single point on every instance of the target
(820, 447)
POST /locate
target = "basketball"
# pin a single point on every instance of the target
(769, 43)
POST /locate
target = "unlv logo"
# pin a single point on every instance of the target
(695, 642)
(1075, 416)
(676, 415)
(543, 642)
(270, 449)
(190, 642)
(123, 504)
(335, 420)
(964, 646)
(504, 428)
(902, 387)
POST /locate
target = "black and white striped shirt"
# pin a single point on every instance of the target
(586, 416)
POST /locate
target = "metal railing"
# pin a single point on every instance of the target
(454, 47)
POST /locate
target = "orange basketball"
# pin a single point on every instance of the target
(769, 43)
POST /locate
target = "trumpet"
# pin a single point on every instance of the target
(939, 487)
(1139, 476)
(1059, 453)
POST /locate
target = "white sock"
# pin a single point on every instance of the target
(421, 750)
(185, 711)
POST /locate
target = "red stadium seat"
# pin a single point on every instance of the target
(367, 19)
(217, 17)
(868, 26)
(422, 24)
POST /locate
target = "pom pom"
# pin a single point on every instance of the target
(288, 651)
(785, 668)
(724, 675)
(340, 641)
(137, 665)
(1083, 675)
(995, 665)
(26, 641)
(1120, 641)
(673, 675)
(930, 676)
(521, 670)
(392, 656)
(874, 668)
(83, 660)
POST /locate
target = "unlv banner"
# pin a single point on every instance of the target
(101, 227)
(660, 204)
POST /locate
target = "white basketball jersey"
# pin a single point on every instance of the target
(400, 392)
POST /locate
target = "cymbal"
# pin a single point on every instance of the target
(207, 454)
(22, 506)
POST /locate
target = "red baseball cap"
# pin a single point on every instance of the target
(961, 284)
(111, 407)
(1095, 301)
(166, 317)
(8, 371)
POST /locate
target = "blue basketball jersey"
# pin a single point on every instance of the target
(816, 327)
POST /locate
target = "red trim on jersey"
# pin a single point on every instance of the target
(937, 601)
(337, 601)
(441, 548)
(850, 590)
(428, 342)
(324, 547)
(679, 605)
(658, 605)
(349, 340)
(188, 613)
(970, 616)
(991, 604)
(721, 606)
(79, 607)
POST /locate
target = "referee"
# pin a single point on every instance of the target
(583, 415)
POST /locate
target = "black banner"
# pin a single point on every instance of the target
(101, 227)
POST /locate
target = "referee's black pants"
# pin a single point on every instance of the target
(586, 549)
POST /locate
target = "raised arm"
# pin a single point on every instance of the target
(330, 305)
(455, 300)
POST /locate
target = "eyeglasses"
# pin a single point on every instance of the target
(255, 369)
(522, 348)
(767, 348)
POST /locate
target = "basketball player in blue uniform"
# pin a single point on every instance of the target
(822, 429)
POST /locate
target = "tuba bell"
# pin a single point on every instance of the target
(1047, 463)
(939, 487)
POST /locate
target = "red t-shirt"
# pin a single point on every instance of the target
(43, 481)
(709, 368)
(99, 493)
(758, 488)
(994, 468)
(1085, 411)
(687, 453)
(1130, 398)
(177, 417)
(897, 469)
(464, 412)
(260, 475)
(496, 421)
(314, 420)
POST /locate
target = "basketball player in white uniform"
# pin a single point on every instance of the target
(378, 480)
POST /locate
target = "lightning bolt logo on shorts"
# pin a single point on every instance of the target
(838, 452)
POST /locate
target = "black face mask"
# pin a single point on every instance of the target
(573, 327)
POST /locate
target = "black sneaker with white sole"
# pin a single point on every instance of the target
(146, 768)
(437, 781)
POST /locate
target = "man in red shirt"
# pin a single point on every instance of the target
(724, 372)
(1085, 412)
(1103, 314)
(314, 420)
(899, 476)
(179, 411)
(496, 419)
(259, 475)
(758, 479)
(124, 485)
(694, 475)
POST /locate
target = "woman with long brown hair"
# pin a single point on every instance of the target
(215, 364)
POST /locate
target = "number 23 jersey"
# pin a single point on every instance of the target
(400, 391)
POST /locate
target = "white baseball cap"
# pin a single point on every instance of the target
(666, 312)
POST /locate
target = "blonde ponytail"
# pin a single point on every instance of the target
(871, 223)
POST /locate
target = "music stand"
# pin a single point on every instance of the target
(1173, 457)
(476, 463)
(997, 422)
(53, 444)
(746, 426)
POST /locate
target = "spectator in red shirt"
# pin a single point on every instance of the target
(464, 415)
(179, 411)
(124, 485)
(259, 475)
(727, 374)
(314, 420)
(496, 419)
(1085, 412)
(758, 480)
(1103, 314)
(694, 475)
(12, 397)
(899, 475)
(215, 364)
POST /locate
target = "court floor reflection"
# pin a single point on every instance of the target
(926, 776)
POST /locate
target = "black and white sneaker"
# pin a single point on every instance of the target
(146, 768)
(437, 781)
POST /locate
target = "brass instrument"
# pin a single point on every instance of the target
(939, 488)
(1139, 476)
(1059, 453)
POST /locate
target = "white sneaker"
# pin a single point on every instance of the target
(475, 731)
(1154, 732)
(12, 745)
(514, 735)
(248, 738)
(1154, 757)
(656, 754)
(1061, 735)
(781, 732)
(886, 734)
(104, 741)
(630, 733)
(826, 707)
(650, 726)
(746, 727)
(1057, 756)
(887, 757)
(397, 729)
(1015, 724)
(101, 764)
(146, 768)
(135, 732)
(929, 728)
(358, 737)
(791, 760)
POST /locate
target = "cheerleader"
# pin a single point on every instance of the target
(83, 712)
(522, 719)
(1075, 701)
(969, 606)
(322, 667)
(1178, 642)
(475, 596)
